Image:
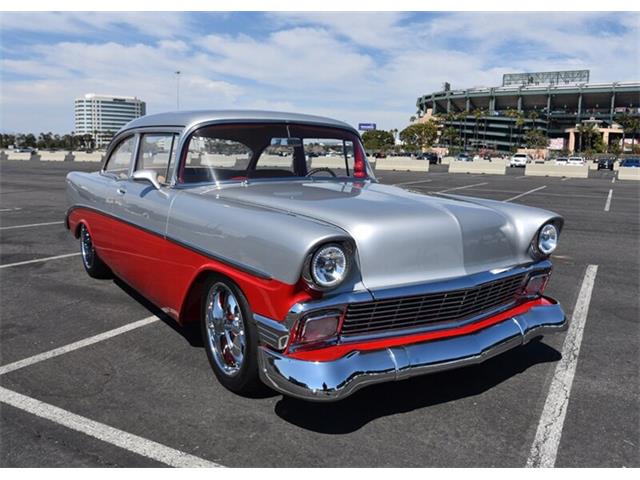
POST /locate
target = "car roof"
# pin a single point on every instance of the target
(189, 118)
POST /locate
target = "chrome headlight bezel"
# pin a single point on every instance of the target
(546, 239)
(311, 273)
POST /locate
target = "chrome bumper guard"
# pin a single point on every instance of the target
(335, 380)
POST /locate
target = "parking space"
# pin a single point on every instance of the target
(153, 381)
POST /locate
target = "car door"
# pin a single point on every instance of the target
(108, 232)
(145, 209)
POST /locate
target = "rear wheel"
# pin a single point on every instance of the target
(229, 336)
(95, 267)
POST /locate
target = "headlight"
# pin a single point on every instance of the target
(329, 266)
(548, 239)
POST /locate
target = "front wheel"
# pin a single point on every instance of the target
(230, 337)
(94, 266)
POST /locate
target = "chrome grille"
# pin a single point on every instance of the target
(411, 312)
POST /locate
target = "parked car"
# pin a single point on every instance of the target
(24, 150)
(519, 160)
(314, 282)
(561, 161)
(606, 163)
(631, 162)
(431, 157)
(576, 161)
(463, 157)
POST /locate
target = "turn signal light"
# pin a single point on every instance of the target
(536, 285)
(319, 328)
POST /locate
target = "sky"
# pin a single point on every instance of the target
(357, 67)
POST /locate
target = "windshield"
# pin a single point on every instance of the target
(260, 151)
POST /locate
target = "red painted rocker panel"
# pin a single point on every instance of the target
(164, 271)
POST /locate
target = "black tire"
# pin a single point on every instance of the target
(92, 263)
(246, 380)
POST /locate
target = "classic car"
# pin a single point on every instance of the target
(305, 273)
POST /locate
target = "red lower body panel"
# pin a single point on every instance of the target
(164, 271)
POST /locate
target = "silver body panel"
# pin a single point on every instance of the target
(401, 238)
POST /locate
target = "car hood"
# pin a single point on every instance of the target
(405, 237)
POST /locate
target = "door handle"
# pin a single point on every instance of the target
(121, 190)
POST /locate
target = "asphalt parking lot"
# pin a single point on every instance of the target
(152, 381)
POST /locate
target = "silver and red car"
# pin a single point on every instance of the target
(305, 273)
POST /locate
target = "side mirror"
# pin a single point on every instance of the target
(150, 176)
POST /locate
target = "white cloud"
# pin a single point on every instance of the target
(299, 58)
(353, 66)
(169, 25)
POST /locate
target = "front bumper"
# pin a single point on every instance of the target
(335, 380)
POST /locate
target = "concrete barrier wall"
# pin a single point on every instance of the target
(53, 156)
(478, 166)
(552, 170)
(327, 162)
(405, 164)
(447, 160)
(87, 157)
(217, 160)
(18, 155)
(628, 173)
(593, 166)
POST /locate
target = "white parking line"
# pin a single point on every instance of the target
(411, 183)
(38, 260)
(521, 176)
(462, 188)
(564, 179)
(613, 179)
(525, 193)
(30, 225)
(10, 367)
(105, 433)
(15, 209)
(545, 445)
(607, 204)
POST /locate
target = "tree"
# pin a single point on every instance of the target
(419, 135)
(450, 134)
(378, 140)
(535, 138)
(589, 137)
(630, 125)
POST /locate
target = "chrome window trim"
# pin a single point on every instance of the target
(188, 130)
(117, 139)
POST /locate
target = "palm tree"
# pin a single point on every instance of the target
(589, 132)
(512, 113)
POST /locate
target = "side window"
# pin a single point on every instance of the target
(157, 153)
(120, 159)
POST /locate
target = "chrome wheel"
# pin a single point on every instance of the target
(225, 329)
(86, 247)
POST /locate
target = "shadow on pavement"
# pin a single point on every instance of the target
(415, 393)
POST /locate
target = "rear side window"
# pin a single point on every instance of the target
(157, 153)
(120, 160)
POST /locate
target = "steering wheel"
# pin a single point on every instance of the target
(322, 169)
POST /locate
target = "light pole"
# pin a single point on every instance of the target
(177, 72)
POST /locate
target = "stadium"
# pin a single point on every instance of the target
(557, 103)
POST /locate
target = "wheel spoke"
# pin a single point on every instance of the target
(225, 329)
